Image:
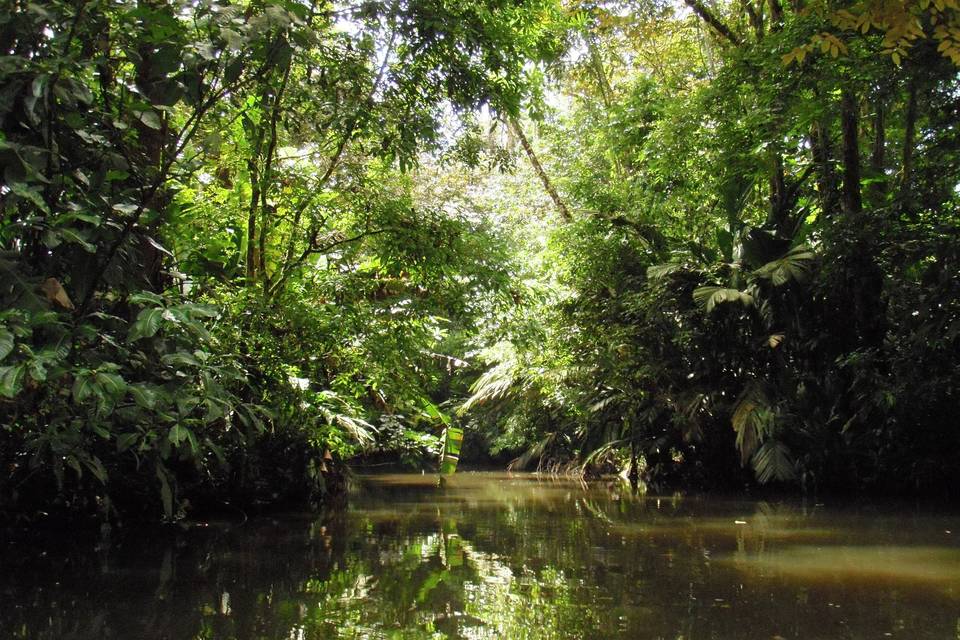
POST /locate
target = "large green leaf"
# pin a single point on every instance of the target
(11, 380)
(109, 384)
(147, 324)
(83, 386)
(6, 343)
(453, 439)
(144, 395)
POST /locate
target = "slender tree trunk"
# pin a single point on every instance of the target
(776, 15)
(252, 258)
(879, 153)
(778, 192)
(606, 95)
(634, 475)
(538, 169)
(909, 138)
(755, 17)
(821, 149)
(878, 157)
(864, 287)
(849, 124)
(267, 179)
(596, 63)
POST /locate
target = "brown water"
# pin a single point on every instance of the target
(497, 556)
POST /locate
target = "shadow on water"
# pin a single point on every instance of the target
(215, 580)
(502, 556)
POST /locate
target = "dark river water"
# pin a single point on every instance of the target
(497, 556)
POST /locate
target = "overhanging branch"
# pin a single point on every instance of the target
(707, 16)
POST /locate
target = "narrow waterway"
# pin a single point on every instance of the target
(495, 556)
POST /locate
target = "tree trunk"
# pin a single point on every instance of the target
(849, 123)
(252, 258)
(909, 141)
(878, 157)
(776, 15)
(778, 193)
(538, 168)
(821, 148)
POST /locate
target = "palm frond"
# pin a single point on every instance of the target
(360, 430)
(773, 461)
(536, 451)
(751, 419)
(661, 271)
(337, 411)
(710, 296)
(494, 384)
(604, 449)
(793, 266)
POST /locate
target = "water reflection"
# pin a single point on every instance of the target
(496, 556)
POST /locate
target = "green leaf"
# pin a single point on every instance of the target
(67, 218)
(453, 439)
(214, 411)
(126, 440)
(77, 237)
(180, 358)
(96, 468)
(127, 208)
(11, 380)
(200, 310)
(83, 386)
(111, 384)
(38, 371)
(178, 434)
(233, 40)
(144, 396)
(149, 119)
(147, 324)
(794, 265)
(29, 193)
(750, 419)
(6, 343)
(146, 298)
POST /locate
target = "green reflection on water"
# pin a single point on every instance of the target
(496, 556)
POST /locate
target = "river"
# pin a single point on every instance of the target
(484, 555)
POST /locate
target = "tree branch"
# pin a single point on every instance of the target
(317, 250)
(707, 16)
(538, 168)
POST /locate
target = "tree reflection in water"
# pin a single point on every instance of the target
(491, 556)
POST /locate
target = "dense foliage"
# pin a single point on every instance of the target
(243, 242)
(761, 270)
(217, 281)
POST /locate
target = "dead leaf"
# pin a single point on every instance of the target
(56, 293)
